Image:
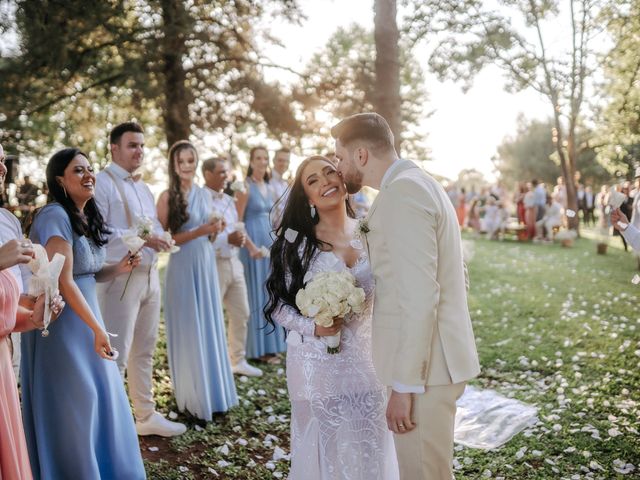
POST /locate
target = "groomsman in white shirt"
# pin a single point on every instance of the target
(279, 185)
(124, 200)
(233, 287)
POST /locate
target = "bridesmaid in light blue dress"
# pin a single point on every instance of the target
(196, 339)
(253, 209)
(77, 418)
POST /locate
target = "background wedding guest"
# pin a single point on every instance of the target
(78, 422)
(461, 207)
(539, 198)
(552, 218)
(124, 201)
(530, 211)
(635, 214)
(279, 183)
(196, 340)
(233, 286)
(519, 201)
(601, 205)
(253, 209)
(589, 206)
(626, 208)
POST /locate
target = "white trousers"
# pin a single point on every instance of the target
(233, 289)
(135, 320)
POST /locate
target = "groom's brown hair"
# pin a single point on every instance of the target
(370, 128)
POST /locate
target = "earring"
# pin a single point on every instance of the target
(313, 211)
(65, 191)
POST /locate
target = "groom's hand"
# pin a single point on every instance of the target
(399, 412)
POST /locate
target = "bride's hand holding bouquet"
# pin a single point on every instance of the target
(328, 298)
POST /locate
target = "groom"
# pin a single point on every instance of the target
(423, 343)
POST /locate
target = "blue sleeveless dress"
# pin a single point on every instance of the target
(196, 340)
(261, 337)
(77, 417)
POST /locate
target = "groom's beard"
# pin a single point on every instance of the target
(353, 181)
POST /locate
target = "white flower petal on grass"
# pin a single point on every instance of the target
(183, 469)
(280, 454)
(636, 279)
(173, 415)
(224, 449)
(241, 441)
(199, 428)
(213, 472)
(270, 465)
(153, 449)
(622, 467)
(223, 463)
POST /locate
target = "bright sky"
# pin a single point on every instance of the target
(464, 130)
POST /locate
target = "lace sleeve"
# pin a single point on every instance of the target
(289, 318)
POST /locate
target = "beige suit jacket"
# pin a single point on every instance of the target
(422, 332)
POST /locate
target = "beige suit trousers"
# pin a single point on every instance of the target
(135, 320)
(233, 289)
(426, 452)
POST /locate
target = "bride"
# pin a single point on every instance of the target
(338, 425)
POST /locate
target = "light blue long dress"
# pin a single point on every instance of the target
(77, 418)
(261, 337)
(196, 340)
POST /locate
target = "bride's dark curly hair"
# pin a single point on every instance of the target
(289, 263)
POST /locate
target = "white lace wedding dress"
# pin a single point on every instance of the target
(338, 425)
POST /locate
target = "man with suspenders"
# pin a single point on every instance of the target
(125, 201)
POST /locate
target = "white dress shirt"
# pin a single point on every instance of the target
(141, 204)
(226, 206)
(10, 230)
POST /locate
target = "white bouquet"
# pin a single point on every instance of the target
(616, 199)
(144, 227)
(174, 248)
(45, 280)
(238, 186)
(327, 296)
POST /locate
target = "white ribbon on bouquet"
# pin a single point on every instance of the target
(45, 280)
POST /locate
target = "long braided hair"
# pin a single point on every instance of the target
(178, 214)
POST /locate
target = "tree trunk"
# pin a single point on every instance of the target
(387, 90)
(177, 96)
(568, 166)
(569, 180)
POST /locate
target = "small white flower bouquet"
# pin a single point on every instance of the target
(45, 280)
(327, 296)
(238, 186)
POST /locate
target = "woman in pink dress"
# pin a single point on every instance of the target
(14, 317)
(17, 314)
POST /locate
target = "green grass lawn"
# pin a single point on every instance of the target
(556, 327)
